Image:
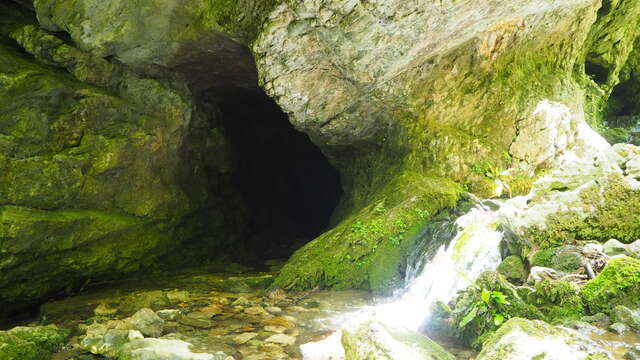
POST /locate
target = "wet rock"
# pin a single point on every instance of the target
(279, 321)
(169, 314)
(105, 310)
(197, 319)
(31, 343)
(599, 319)
(212, 309)
(281, 339)
(275, 329)
(521, 339)
(177, 296)
(243, 338)
(256, 310)
(618, 328)
(614, 247)
(633, 249)
(622, 314)
(131, 344)
(297, 309)
(147, 322)
(582, 327)
(273, 309)
(373, 340)
(633, 354)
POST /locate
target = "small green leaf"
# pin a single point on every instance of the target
(485, 296)
(469, 317)
(498, 319)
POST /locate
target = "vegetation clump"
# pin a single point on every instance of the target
(617, 284)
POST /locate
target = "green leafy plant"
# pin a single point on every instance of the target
(489, 304)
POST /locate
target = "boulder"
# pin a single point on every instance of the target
(512, 267)
(373, 340)
(147, 322)
(614, 247)
(617, 284)
(624, 315)
(521, 339)
(31, 343)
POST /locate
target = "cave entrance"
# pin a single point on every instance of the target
(622, 113)
(287, 185)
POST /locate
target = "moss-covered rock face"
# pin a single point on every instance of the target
(31, 343)
(154, 31)
(390, 100)
(617, 284)
(512, 268)
(94, 181)
(368, 250)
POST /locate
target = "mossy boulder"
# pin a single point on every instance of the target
(617, 284)
(610, 209)
(557, 300)
(376, 341)
(513, 268)
(564, 258)
(368, 250)
(31, 343)
(624, 315)
(522, 339)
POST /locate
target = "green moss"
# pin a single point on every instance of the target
(543, 258)
(512, 267)
(367, 250)
(617, 284)
(557, 300)
(31, 343)
(616, 215)
(242, 20)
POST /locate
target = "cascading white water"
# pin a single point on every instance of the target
(474, 249)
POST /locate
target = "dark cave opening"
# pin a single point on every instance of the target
(597, 72)
(287, 186)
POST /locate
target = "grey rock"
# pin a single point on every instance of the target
(598, 319)
(373, 340)
(619, 328)
(623, 314)
(633, 249)
(147, 322)
(614, 247)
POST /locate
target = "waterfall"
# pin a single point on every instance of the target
(474, 249)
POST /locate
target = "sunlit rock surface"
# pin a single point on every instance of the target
(521, 339)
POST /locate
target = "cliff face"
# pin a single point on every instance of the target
(120, 149)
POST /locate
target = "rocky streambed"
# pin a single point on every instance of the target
(203, 316)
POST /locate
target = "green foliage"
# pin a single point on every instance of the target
(512, 267)
(489, 304)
